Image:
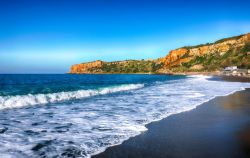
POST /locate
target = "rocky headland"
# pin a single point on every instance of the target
(204, 58)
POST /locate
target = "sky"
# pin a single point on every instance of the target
(48, 36)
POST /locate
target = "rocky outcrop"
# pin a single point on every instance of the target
(185, 54)
(174, 56)
(90, 67)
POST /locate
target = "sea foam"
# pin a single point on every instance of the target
(37, 99)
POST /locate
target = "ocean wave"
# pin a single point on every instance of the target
(105, 122)
(36, 99)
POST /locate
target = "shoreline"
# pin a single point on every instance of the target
(215, 74)
(124, 150)
(236, 78)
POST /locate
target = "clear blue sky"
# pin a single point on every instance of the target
(48, 36)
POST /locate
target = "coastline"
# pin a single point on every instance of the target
(230, 78)
(217, 128)
(170, 73)
(215, 74)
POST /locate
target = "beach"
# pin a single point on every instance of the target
(218, 128)
(149, 115)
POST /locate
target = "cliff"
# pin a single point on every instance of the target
(205, 57)
(90, 67)
(126, 66)
(211, 56)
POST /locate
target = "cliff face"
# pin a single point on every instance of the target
(207, 57)
(174, 58)
(186, 54)
(90, 67)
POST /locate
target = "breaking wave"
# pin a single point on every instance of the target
(36, 99)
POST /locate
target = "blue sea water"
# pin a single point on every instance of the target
(81, 115)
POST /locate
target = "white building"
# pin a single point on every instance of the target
(230, 68)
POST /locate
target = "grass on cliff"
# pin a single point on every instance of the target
(131, 66)
(239, 57)
(218, 41)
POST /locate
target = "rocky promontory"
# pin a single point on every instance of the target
(200, 58)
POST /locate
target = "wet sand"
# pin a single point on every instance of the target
(236, 78)
(219, 128)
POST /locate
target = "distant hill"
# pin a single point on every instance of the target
(205, 57)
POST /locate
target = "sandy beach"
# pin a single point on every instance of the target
(218, 128)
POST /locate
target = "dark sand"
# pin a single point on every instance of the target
(236, 78)
(219, 128)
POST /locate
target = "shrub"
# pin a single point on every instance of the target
(246, 48)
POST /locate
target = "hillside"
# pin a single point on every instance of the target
(127, 66)
(205, 57)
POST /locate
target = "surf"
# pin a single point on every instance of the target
(42, 99)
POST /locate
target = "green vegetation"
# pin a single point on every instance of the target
(230, 38)
(239, 57)
(218, 41)
(196, 46)
(131, 66)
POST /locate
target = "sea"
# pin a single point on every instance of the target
(65, 115)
